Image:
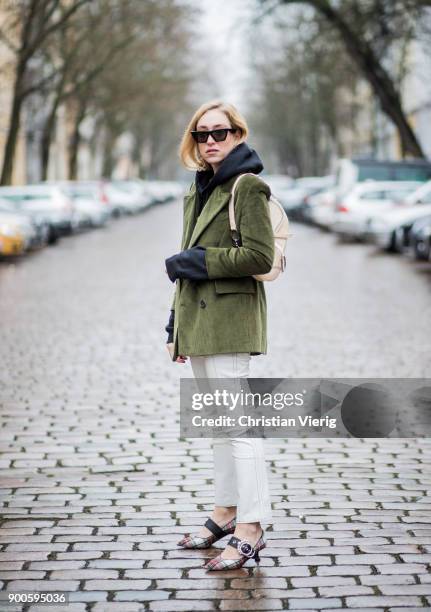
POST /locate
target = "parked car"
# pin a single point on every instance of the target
(125, 202)
(88, 211)
(34, 230)
(46, 203)
(278, 183)
(422, 195)
(134, 195)
(321, 207)
(163, 191)
(420, 238)
(90, 208)
(356, 170)
(89, 199)
(137, 191)
(352, 211)
(16, 231)
(390, 230)
(295, 198)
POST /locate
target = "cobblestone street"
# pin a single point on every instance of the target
(96, 485)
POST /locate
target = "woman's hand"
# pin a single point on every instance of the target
(170, 349)
(187, 264)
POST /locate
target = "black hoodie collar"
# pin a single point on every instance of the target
(241, 159)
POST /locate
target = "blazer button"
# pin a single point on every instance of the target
(203, 303)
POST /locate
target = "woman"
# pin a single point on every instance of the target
(218, 316)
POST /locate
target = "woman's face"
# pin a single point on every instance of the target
(211, 151)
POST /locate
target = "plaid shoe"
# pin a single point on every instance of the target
(245, 549)
(189, 541)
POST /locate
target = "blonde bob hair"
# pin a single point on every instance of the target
(188, 149)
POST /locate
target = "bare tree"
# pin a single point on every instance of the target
(149, 98)
(84, 50)
(302, 105)
(367, 29)
(30, 23)
(125, 64)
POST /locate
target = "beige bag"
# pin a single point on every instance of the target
(280, 227)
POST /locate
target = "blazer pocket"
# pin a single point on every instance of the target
(245, 284)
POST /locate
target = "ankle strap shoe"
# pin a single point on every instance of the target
(244, 548)
(190, 541)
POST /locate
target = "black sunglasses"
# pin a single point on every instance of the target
(219, 135)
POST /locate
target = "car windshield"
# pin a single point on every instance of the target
(30, 197)
(393, 194)
(390, 172)
(12, 197)
(122, 186)
(76, 192)
(372, 195)
(27, 197)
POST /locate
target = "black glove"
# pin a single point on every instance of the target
(170, 327)
(188, 264)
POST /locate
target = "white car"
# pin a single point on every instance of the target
(163, 191)
(278, 183)
(321, 207)
(16, 225)
(297, 195)
(46, 203)
(422, 195)
(353, 211)
(132, 196)
(89, 209)
(356, 170)
(136, 189)
(35, 231)
(172, 189)
(390, 230)
(124, 201)
(318, 182)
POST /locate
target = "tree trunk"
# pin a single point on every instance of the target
(13, 129)
(380, 81)
(108, 157)
(374, 72)
(36, 27)
(48, 128)
(48, 131)
(75, 141)
(138, 143)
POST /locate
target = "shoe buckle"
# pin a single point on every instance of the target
(244, 548)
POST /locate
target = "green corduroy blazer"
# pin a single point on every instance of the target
(227, 313)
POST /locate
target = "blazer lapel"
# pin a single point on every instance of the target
(189, 217)
(217, 200)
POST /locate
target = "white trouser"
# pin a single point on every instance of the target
(240, 473)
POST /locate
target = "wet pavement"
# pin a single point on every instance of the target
(96, 484)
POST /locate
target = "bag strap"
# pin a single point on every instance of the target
(232, 222)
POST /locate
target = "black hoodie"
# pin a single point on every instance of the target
(191, 262)
(240, 160)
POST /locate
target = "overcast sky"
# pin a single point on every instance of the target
(223, 31)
